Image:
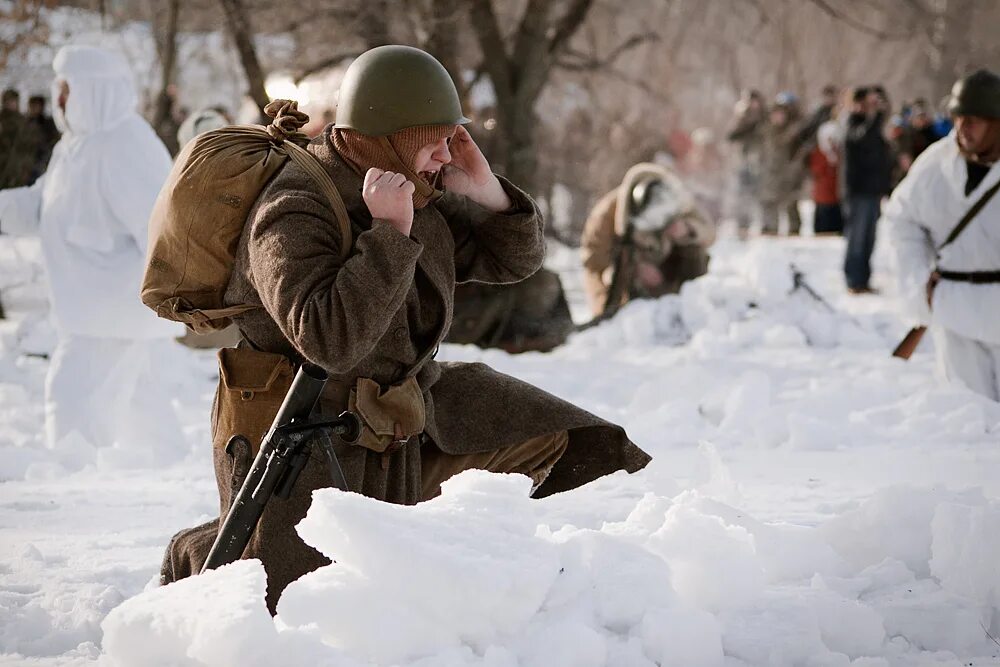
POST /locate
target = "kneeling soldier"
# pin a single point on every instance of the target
(426, 213)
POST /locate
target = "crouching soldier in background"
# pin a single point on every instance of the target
(643, 239)
(426, 213)
(944, 220)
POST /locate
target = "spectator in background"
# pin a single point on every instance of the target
(747, 132)
(943, 123)
(918, 133)
(824, 165)
(782, 165)
(703, 173)
(825, 111)
(17, 142)
(46, 132)
(868, 165)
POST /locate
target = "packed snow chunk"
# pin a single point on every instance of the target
(681, 637)
(217, 619)
(848, 626)
(618, 579)
(628, 652)
(805, 433)
(786, 552)
(645, 518)
(784, 335)
(780, 630)
(464, 568)
(828, 660)
(767, 268)
(894, 523)
(966, 541)
(713, 564)
(931, 618)
(747, 402)
(553, 641)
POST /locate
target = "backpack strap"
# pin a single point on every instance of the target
(969, 215)
(308, 162)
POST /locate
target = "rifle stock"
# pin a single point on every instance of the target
(283, 454)
(909, 343)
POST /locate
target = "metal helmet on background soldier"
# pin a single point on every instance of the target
(977, 94)
(655, 196)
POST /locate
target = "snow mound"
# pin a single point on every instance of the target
(473, 578)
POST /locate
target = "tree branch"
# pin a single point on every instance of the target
(858, 25)
(495, 60)
(321, 65)
(531, 31)
(569, 24)
(590, 63)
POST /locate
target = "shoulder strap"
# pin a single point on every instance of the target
(308, 162)
(969, 215)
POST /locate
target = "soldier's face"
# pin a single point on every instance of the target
(973, 132)
(431, 158)
(63, 95)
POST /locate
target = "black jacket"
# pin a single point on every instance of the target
(868, 158)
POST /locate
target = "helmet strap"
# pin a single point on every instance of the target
(423, 188)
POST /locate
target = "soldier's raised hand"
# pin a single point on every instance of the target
(469, 174)
(389, 197)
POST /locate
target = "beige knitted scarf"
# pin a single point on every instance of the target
(397, 152)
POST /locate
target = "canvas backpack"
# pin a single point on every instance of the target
(202, 209)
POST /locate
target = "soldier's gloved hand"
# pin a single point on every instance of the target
(469, 174)
(389, 197)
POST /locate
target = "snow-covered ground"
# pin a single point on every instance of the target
(811, 502)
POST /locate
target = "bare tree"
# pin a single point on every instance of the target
(239, 29)
(519, 66)
(23, 28)
(165, 33)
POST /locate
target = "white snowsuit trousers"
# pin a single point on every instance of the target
(971, 363)
(108, 392)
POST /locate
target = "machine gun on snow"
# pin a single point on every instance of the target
(799, 283)
(283, 454)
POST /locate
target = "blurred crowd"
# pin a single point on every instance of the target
(853, 149)
(780, 147)
(26, 139)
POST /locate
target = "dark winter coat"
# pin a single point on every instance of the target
(18, 146)
(381, 315)
(867, 156)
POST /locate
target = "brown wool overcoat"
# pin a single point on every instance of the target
(382, 314)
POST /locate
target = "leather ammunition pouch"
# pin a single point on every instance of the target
(388, 417)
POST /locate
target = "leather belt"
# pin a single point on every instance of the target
(975, 277)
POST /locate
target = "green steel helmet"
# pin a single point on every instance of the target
(977, 94)
(390, 88)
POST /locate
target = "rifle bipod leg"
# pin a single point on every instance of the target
(325, 444)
